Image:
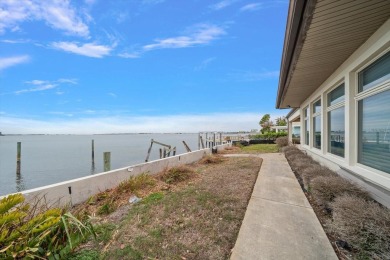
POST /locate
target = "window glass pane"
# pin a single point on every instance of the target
(307, 131)
(306, 111)
(317, 132)
(317, 106)
(379, 71)
(336, 95)
(336, 131)
(296, 133)
(374, 131)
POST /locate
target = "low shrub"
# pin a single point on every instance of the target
(292, 152)
(177, 174)
(268, 135)
(289, 148)
(282, 141)
(211, 159)
(326, 188)
(136, 183)
(28, 234)
(314, 171)
(300, 162)
(365, 225)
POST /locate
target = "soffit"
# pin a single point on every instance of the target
(336, 29)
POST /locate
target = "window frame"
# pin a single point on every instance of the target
(313, 116)
(381, 87)
(330, 108)
(306, 125)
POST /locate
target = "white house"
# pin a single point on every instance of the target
(335, 73)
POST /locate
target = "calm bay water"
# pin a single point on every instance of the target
(48, 159)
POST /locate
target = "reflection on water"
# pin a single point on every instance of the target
(93, 170)
(19, 182)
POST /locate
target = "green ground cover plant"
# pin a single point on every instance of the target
(28, 232)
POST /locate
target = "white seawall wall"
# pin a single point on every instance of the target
(78, 190)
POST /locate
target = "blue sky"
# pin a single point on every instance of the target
(97, 66)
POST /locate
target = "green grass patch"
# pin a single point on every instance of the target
(261, 148)
(104, 232)
(153, 198)
(126, 253)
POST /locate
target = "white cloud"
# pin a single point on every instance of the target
(112, 95)
(69, 81)
(222, 4)
(136, 124)
(200, 35)
(42, 85)
(205, 63)
(88, 49)
(57, 14)
(251, 7)
(128, 55)
(38, 88)
(18, 41)
(13, 61)
(36, 82)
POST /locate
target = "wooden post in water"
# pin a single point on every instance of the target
(220, 138)
(214, 143)
(201, 141)
(207, 141)
(107, 161)
(149, 150)
(93, 151)
(187, 147)
(160, 153)
(18, 157)
(198, 141)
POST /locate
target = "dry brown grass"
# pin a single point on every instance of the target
(313, 171)
(198, 221)
(289, 148)
(300, 162)
(326, 188)
(365, 225)
(229, 150)
(211, 159)
(177, 174)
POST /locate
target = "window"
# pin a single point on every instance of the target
(296, 132)
(336, 121)
(374, 115)
(307, 126)
(375, 74)
(317, 124)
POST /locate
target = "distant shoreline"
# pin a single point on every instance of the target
(240, 132)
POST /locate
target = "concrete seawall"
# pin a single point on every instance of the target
(78, 190)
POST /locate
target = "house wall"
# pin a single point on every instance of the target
(376, 181)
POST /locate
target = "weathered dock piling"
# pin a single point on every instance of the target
(107, 161)
(187, 147)
(93, 151)
(18, 157)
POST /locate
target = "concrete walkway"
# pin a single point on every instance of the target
(279, 222)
